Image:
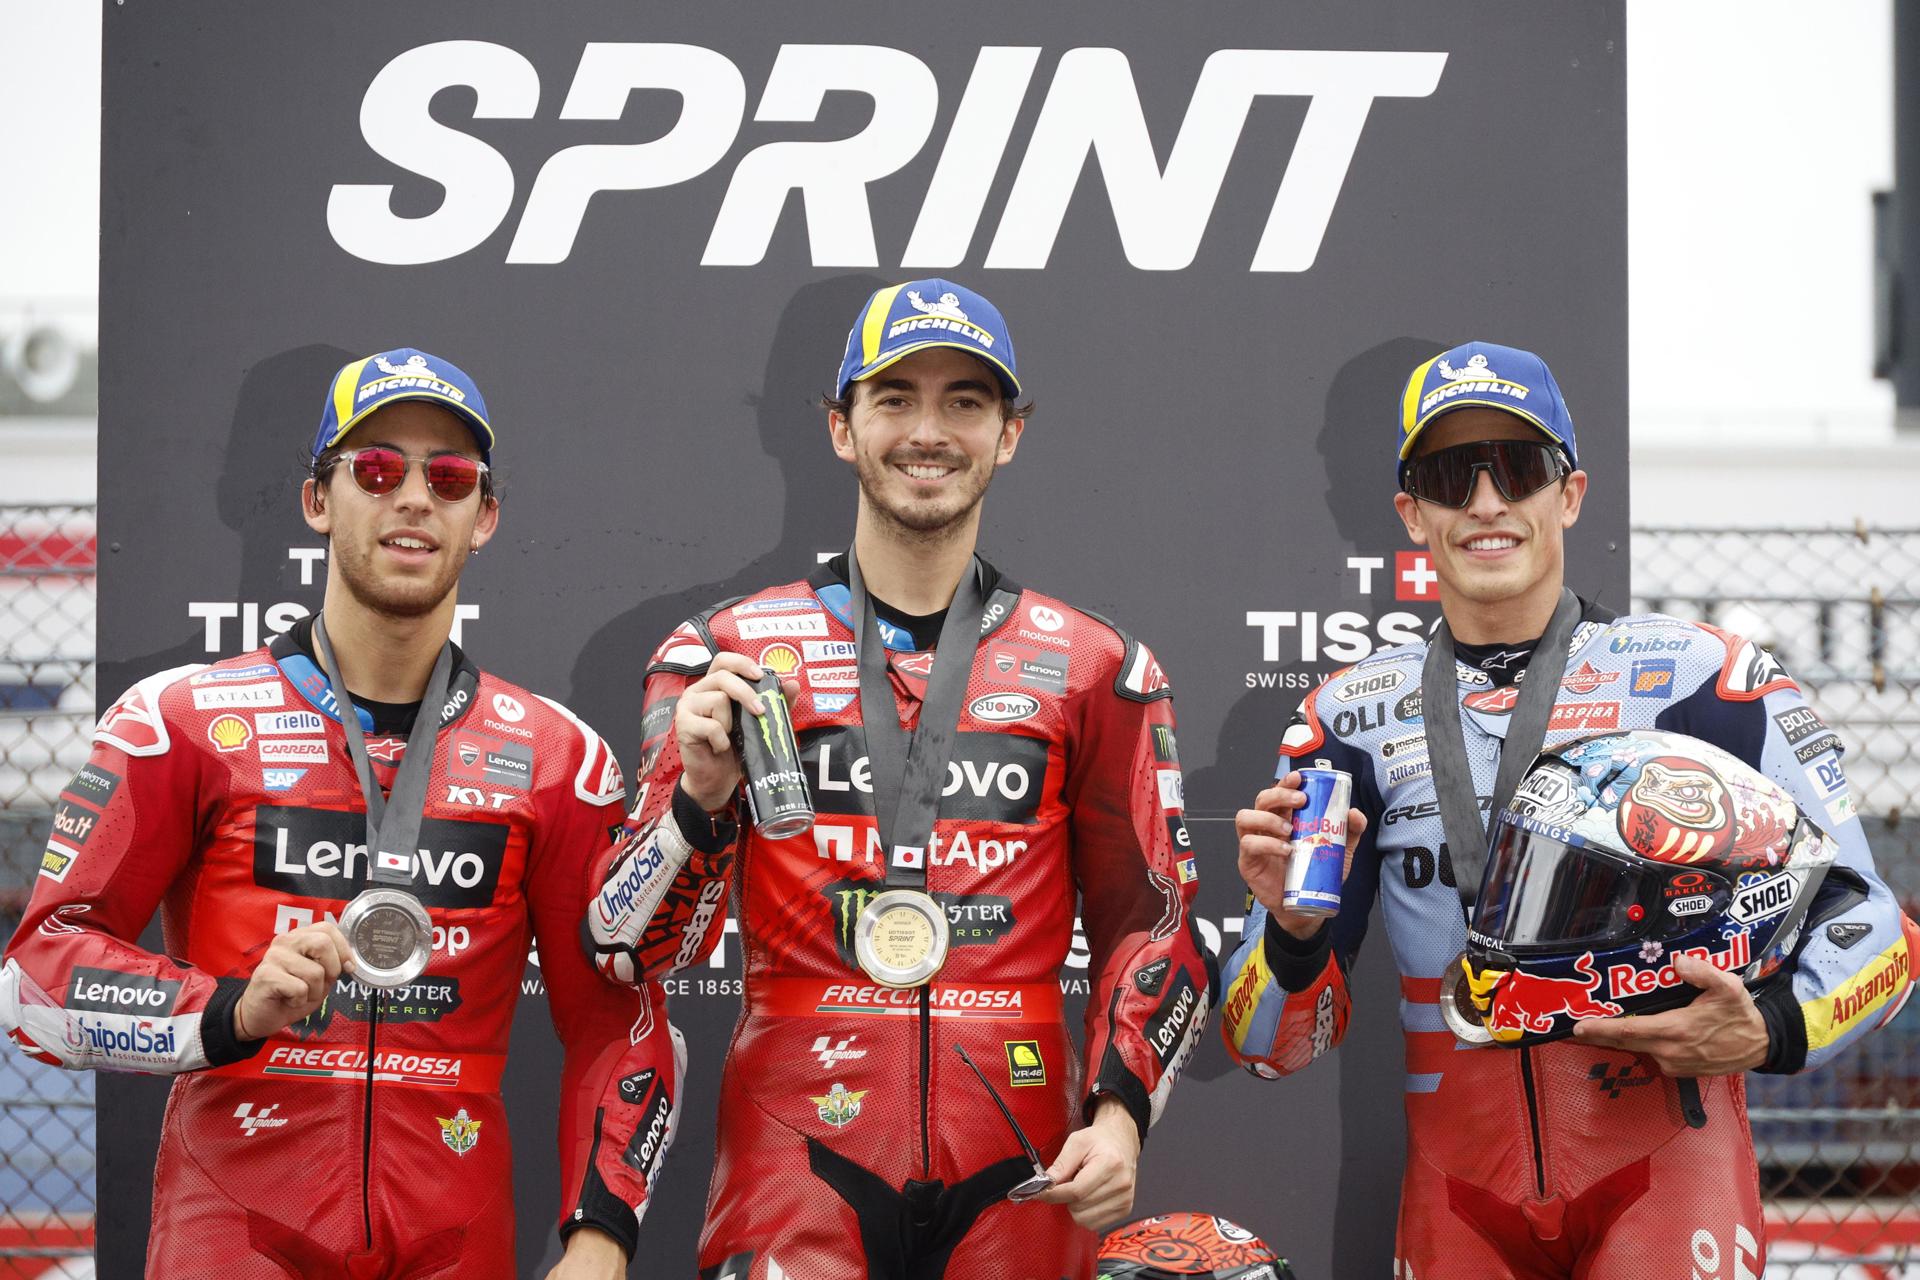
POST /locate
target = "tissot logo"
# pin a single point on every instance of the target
(992, 777)
(1161, 212)
(322, 853)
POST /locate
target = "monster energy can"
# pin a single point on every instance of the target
(776, 784)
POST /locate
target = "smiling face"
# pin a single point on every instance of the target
(1500, 563)
(924, 436)
(400, 554)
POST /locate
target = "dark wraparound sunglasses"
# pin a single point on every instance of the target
(1520, 469)
(379, 470)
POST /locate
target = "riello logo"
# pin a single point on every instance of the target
(1090, 108)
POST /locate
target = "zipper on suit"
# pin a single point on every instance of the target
(1533, 1122)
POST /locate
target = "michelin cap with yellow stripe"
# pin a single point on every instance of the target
(1486, 375)
(401, 374)
(904, 318)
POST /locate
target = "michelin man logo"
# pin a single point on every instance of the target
(415, 367)
(1477, 367)
(948, 306)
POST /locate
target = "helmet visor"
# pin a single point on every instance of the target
(1547, 889)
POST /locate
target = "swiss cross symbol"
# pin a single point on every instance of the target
(1413, 576)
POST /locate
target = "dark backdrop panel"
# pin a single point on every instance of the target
(1213, 448)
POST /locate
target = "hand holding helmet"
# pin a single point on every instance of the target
(1625, 871)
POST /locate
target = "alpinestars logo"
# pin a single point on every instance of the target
(1161, 211)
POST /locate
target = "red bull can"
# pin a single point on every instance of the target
(1319, 841)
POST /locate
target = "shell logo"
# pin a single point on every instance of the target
(781, 659)
(229, 733)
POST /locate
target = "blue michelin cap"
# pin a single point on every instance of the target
(1482, 373)
(904, 318)
(401, 374)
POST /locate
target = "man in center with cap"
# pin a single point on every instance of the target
(978, 753)
(1623, 1151)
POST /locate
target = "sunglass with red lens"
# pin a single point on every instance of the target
(379, 470)
(1520, 469)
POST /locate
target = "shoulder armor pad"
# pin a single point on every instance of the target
(133, 723)
(690, 647)
(1750, 672)
(600, 780)
(1140, 678)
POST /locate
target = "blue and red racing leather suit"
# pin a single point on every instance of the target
(1563, 1159)
(852, 1140)
(368, 1139)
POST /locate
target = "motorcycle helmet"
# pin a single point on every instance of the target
(1617, 853)
(1172, 1246)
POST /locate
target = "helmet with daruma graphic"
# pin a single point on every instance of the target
(1617, 853)
(1177, 1246)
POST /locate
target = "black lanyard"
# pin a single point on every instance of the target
(1526, 731)
(909, 773)
(393, 824)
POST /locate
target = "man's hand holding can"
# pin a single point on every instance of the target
(1267, 849)
(703, 725)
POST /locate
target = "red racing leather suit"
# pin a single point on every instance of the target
(369, 1139)
(1562, 1159)
(852, 1140)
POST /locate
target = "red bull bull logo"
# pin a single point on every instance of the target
(1526, 1002)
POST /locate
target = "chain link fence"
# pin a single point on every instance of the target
(1839, 1149)
(47, 559)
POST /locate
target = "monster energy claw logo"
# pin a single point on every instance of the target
(777, 740)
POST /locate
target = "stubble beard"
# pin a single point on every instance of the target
(405, 598)
(927, 522)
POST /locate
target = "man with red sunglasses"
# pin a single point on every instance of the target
(1623, 1151)
(329, 1119)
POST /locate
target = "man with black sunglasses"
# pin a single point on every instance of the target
(983, 758)
(1623, 1151)
(352, 836)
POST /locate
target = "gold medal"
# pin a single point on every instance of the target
(900, 938)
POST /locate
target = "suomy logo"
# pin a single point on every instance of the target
(1160, 211)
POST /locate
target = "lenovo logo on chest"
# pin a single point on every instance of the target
(322, 853)
(1089, 109)
(991, 777)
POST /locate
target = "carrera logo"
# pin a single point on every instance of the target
(1004, 708)
(1161, 214)
(321, 853)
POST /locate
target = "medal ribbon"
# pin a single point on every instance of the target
(393, 824)
(1526, 731)
(909, 773)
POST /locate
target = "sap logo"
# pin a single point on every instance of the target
(1160, 213)
(281, 779)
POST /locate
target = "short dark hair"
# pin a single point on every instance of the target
(320, 469)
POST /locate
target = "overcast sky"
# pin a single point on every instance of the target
(1757, 131)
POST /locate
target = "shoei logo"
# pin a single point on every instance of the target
(1161, 211)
